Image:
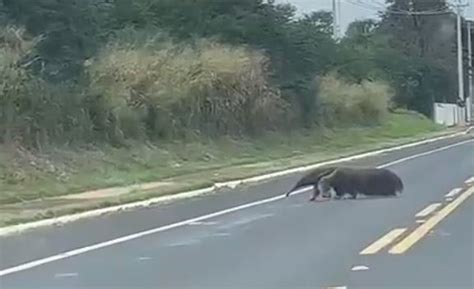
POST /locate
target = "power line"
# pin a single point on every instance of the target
(382, 5)
(367, 5)
(379, 7)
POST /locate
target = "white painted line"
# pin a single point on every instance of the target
(428, 210)
(232, 184)
(123, 239)
(449, 199)
(365, 155)
(420, 221)
(381, 243)
(453, 193)
(144, 258)
(221, 234)
(360, 268)
(470, 180)
(424, 154)
(65, 275)
(99, 212)
(202, 223)
(336, 287)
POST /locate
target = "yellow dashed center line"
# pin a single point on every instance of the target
(425, 228)
(428, 210)
(383, 242)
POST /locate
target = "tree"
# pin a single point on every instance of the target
(425, 37)
(71, 31)
(361, 31)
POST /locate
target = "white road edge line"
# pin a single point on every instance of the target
(65, 275)
(123, 239)
(470, 180)
(163, 199)
(453, 193)
(428, 210)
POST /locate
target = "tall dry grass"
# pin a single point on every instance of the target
(352, 103)
(160, 88)
(142, 87)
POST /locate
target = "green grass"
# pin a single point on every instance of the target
(26, 176)
(37, 180)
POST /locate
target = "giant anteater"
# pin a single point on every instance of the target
(352, 181)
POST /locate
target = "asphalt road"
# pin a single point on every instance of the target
(283, 243)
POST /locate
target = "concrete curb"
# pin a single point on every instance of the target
(210, 190)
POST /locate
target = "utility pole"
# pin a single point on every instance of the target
(470, 72)
(339, 17)
(459, 53)
(335, 27)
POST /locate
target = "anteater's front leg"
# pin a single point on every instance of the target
(315, 194)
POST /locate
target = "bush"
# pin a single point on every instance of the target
(344, 103)
(13, 48)
(33, 112)
(157, 88)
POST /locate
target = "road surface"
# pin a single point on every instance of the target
(423, 239)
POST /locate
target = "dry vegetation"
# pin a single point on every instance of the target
(146, 96)
(165, 89)
(349, 103)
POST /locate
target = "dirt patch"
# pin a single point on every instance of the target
(116, 191)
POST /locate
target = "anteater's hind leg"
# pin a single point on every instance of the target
(353, 194)
(339, 193)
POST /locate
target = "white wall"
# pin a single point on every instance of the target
(448, 114)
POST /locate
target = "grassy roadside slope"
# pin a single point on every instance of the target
(40, 186)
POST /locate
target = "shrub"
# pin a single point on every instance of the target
(162, 88)
(33, 112)
(344, 102)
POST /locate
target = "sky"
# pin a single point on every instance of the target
(350, 10)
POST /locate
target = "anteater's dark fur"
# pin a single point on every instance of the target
(367, 181)
(352, 181)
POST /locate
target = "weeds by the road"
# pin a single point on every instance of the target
(173, 167)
